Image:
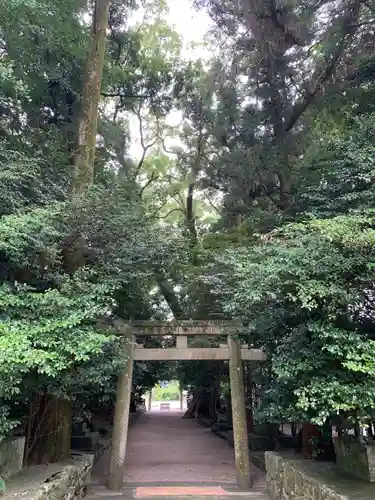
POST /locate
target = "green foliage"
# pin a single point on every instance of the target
(340, 167)
(6, 422)
(22, 182)
(44, 334)
(147, 375)
(2, 486)
(298, 288)
(33, 323)
(49, 319)
(170, 393)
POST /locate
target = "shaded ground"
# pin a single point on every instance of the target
(165, 447)
(166, 450)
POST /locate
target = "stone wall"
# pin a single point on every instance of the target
(59, 481)
(11, 456)
(70, 483)
(287, 481)
(355, 457)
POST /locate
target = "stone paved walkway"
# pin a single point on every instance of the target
(165, 450)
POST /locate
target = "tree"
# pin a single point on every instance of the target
(88, 119)
(56, 412)
(42, 264)
(277, 73)
(299, 287)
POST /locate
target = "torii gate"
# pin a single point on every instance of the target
(231, 351)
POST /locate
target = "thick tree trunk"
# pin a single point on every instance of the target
(229, 411)
(49, 429)
(190, 224)
(193, 408)
(310, 433)
(181, 397)
(170, 296)
(88, 119)
(214, 397)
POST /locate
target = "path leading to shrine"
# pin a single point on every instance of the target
(171, 457)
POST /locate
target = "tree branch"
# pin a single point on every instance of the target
(158, 209)
(171, 212)
(145, 147)
(169, 295)
(211, 203)
(124, 96)
(153, 178)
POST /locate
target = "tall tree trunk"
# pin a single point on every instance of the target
(310, 433)
(190, 223)
(49, 429)
(193, 406)
(189, 211)
(50, 437)
(169, 294)
(88, 118)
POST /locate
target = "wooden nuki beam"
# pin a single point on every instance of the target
(195, 353)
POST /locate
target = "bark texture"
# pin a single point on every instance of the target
(49, 430)
(88, 117)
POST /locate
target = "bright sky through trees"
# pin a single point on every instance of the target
(193, 25)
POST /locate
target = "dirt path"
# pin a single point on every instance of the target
(164, 449)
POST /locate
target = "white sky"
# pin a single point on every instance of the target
(190, 23)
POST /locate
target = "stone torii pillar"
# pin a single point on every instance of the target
(121, 418)
(241, 444)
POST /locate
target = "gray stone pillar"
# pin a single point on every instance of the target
(181, 398)
(121, 419)
(241, 446)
